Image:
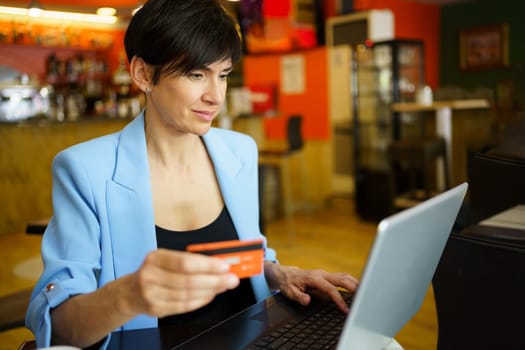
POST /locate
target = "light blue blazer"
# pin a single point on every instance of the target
(103, 224)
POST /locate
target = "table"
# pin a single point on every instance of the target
(443, 110)
(508, 225)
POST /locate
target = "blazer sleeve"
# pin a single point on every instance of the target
(70, 246)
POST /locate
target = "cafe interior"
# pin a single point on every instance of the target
(360, 109)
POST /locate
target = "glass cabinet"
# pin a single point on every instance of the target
(384, 73)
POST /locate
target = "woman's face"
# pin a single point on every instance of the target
(189, 103)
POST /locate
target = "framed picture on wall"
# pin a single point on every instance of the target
(484, 47)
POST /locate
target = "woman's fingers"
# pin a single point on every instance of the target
(175, 282)
(178, 261)
(300, 285)
(188, 281)
(343, 280)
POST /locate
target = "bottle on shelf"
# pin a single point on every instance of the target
(122, 83)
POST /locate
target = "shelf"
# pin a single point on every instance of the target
(55, 47)
(452, 104)
(79, 79)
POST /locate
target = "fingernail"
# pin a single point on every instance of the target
(233, 280)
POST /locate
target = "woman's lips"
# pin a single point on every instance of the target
(204, 115)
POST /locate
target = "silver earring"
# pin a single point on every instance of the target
(147, 89)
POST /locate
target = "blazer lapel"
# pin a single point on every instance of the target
(237, 190)
(129, 201)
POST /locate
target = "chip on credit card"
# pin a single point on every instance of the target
(245, 257)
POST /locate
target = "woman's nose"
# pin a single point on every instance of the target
(215, 92)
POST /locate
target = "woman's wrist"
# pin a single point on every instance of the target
(122, 291)
(277, 275)
(271, 272)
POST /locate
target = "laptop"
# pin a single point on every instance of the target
(398, 272)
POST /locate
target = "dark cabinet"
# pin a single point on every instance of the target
(383, 73)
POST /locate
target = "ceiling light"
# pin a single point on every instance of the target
(77, 16)
(60, 15)
(34, 9)
(106, 11)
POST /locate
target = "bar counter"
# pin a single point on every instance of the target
(26, 152)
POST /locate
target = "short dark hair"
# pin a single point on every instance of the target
(178, 36)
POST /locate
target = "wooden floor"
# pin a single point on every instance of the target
(333, 239)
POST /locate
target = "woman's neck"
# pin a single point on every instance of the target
(170, 148)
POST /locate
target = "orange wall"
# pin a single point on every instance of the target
(312, 104)
(413, 21)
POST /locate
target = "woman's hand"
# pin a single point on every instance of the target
(168, 282)
(299, 285)
(173, 282)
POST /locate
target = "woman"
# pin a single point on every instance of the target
(126, 205)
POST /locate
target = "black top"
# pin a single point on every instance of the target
(224, 305)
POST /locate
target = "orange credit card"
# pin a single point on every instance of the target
(245, 257)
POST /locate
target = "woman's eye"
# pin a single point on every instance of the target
(224, 76)
(196, 76)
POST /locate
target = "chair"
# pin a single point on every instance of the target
(417, 157)
(37, 227)
(28, 345)
(280, 159)
(479, 293)
(496, 183)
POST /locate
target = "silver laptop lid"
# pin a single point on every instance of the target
(399, 270)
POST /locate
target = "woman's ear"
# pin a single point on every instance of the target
(140, 73)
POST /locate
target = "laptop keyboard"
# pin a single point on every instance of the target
(319, 330)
